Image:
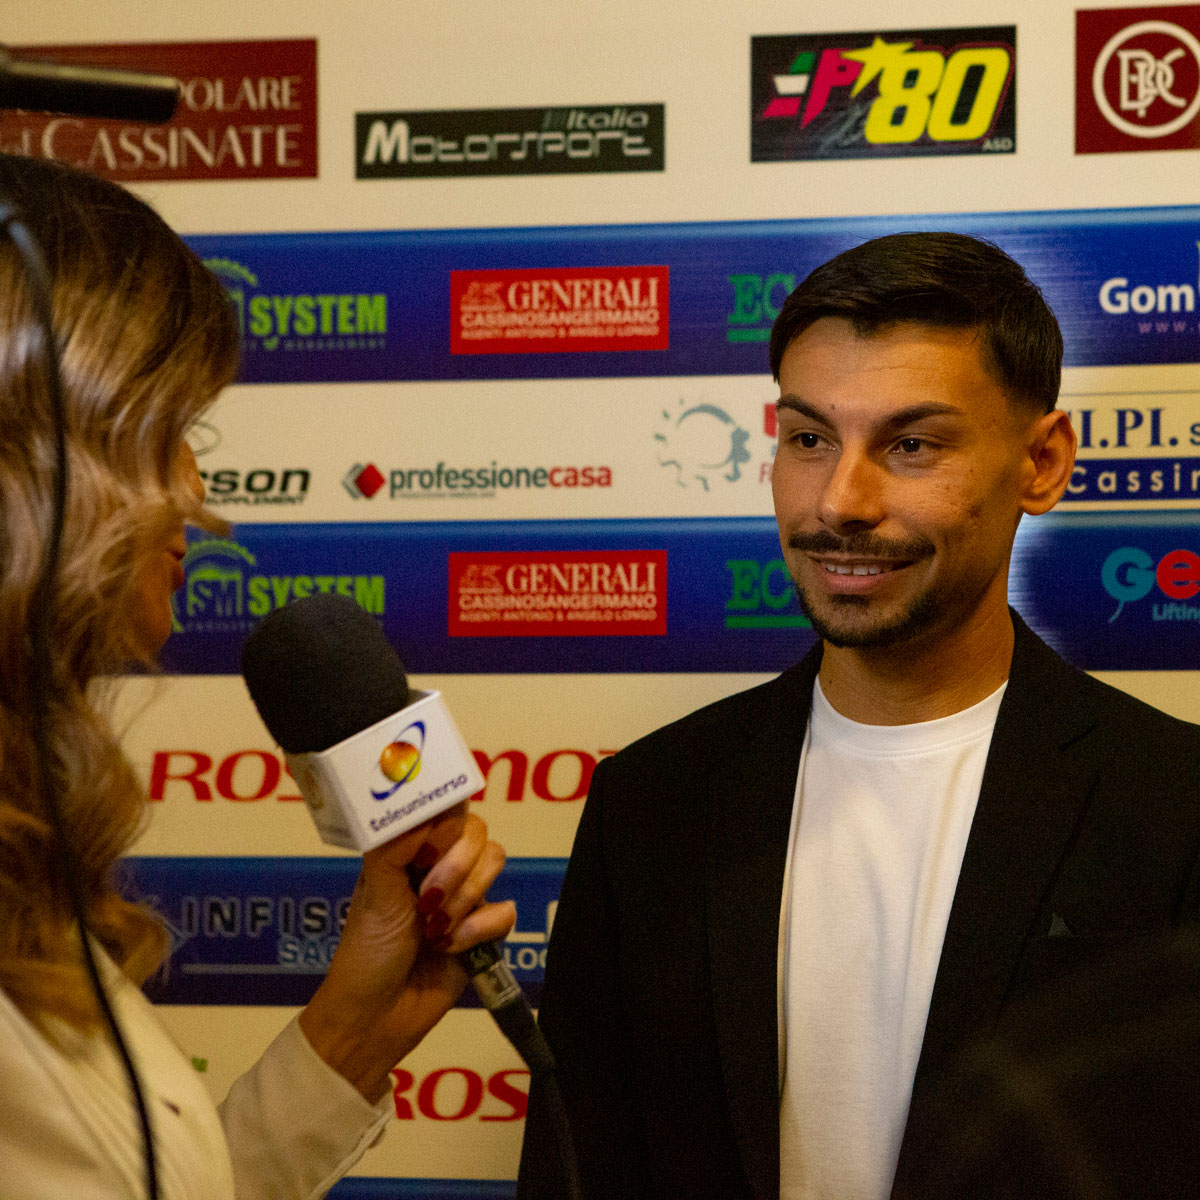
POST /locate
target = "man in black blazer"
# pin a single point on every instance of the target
(917, 425)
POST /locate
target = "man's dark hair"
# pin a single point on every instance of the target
(944, 279)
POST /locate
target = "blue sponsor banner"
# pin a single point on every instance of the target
(728, 599)
(423, 1189)
(378, 306)
(1113, 591)
(262, 930)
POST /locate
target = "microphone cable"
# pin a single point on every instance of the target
(40, 668)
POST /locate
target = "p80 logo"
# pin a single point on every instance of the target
(938, 91)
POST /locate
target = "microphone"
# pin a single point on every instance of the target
(85, 91)
(333, 693)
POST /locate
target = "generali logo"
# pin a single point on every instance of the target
(557, 310)
(247, 110)
(566, 593)
(1137, 79)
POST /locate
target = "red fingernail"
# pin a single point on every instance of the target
(430, 901)
(436, 926)
(425, 857)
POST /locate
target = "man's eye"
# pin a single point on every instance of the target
(911, 445)
(810, 441)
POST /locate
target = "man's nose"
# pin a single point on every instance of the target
(852, 497)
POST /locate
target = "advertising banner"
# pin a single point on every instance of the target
(883, 94)
(247, 110)
(263, 930)
(1137, 79)
(572, 140)
(394, 306)
(697, 595)
(707, 595)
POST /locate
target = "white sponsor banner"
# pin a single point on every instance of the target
(491, 450)
(589, 448)
(218, 786)
(459, 1097)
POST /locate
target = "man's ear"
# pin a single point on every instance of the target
(1050, 449)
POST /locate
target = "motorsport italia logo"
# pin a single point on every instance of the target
(301, 321)
(871, 94)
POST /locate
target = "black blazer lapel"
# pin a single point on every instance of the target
(747, 839)
(1034, 790)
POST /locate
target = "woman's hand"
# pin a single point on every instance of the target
(394, 975)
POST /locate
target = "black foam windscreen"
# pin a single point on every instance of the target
(320, 670)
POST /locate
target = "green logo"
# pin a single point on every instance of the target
(302, 321)
(757, 300)
(761, 596)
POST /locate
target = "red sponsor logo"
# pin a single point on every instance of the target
(1137, 79)
(249, 775)
(247, 110)
(460, 1094)
(568, 593)
(552, 310)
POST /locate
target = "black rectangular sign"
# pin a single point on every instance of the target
(570, 140)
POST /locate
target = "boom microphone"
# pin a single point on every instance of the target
(85, 91)
(333, 693)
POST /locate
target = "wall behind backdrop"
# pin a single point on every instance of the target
(505, 275)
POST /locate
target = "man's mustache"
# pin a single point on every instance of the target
(861, 545)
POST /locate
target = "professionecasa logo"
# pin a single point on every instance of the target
(701, 443)
(400, 761)
(467, 482)
(1137, 79)
(301, 321)
(223, 592)
(862, 95)
(1130, 574)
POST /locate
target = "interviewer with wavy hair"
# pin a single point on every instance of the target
(146, 339)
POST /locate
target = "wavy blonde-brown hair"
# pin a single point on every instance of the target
(146, 338)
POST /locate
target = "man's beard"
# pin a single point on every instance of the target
(886, 629)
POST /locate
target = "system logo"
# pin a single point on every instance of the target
(301, 321)
(247, 110)
(400, 761)
(581, 139)
(701, 443)
(223, 592)
(567, 593)
(1129, 574)
(867, 95)
(555, 310)
(466, 482)
(1137, 79)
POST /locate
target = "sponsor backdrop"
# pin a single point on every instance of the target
(504, 312)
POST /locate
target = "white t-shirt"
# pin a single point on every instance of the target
(879, 826)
